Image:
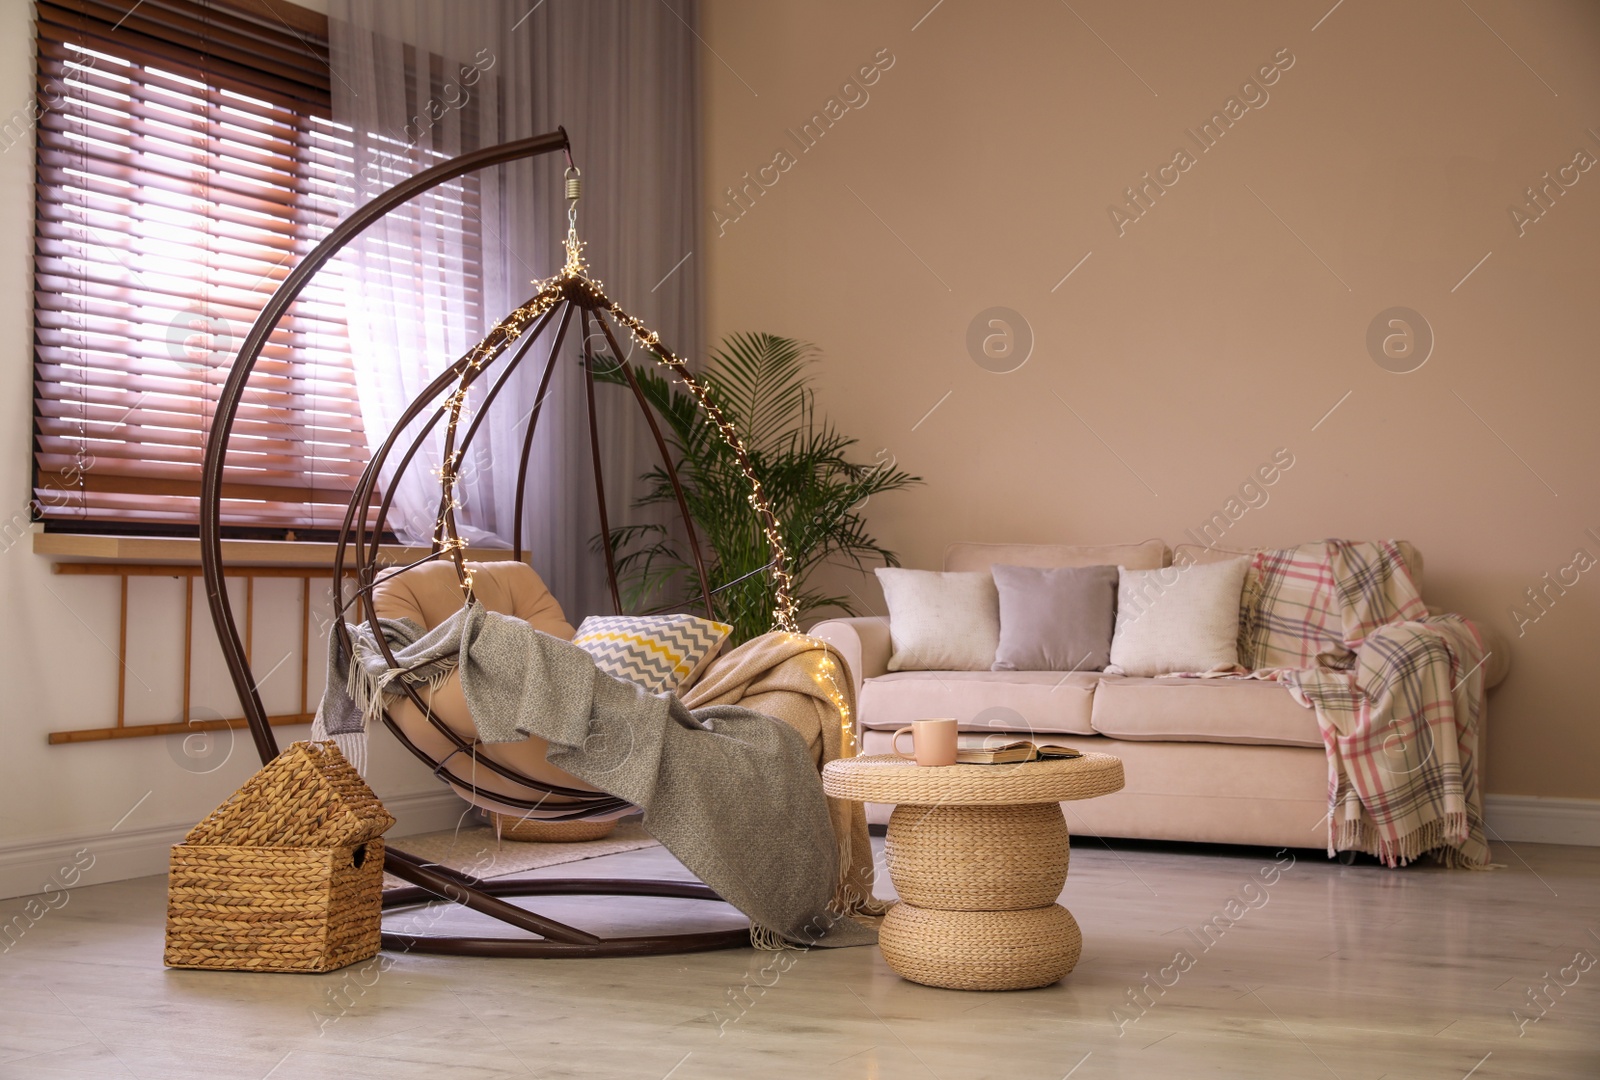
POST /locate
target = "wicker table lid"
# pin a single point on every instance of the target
(885, 778)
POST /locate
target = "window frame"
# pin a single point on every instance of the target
(240, 56)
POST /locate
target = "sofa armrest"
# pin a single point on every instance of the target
(1496, 648)
(863, 642)
(1498, 662)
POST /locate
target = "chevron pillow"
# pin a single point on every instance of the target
(662, 653)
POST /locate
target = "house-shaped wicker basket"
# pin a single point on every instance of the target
(287, 875)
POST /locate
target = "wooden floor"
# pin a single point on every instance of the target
(1330, 971)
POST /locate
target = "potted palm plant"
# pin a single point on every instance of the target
(817, 491)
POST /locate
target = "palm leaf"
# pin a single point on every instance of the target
(761, 383)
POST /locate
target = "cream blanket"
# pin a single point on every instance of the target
(803, 682)
(1398, 694)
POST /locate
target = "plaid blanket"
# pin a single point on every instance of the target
(1398, 693)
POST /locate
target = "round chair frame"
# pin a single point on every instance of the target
(569, 293)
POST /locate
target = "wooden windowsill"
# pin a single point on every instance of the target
(169, 551)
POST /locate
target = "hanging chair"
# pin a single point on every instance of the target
(505, 778)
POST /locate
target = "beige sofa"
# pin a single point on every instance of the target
(1220, 760)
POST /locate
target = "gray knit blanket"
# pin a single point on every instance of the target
(732, 793)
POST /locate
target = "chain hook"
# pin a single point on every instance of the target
(574, 191)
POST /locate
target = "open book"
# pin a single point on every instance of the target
(1012, 753)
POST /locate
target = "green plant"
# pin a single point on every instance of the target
(761, 384)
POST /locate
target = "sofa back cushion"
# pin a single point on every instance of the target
(969, 557)
(1202, 554)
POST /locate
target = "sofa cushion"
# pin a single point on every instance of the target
(1245, 711)
(940, 622)
(1178, 619)
(1149, 555)
(1011, 701)
(665, 654)
(1055, 619)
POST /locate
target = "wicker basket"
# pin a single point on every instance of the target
(534, 831)
(287, 875)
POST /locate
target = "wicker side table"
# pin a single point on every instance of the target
(979, 855)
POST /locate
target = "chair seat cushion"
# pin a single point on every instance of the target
(1242, 711)
(1012, 701)
(431, 593)
(526, 756)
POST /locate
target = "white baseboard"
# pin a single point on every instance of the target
(1535, 820)
(426, 811)
(26, 868)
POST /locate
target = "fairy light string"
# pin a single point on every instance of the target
(446, 537)
(827, 679)
(573, 284)
(785, 612)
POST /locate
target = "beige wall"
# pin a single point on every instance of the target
(1231, 317)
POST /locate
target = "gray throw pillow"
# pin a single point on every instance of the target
(1055, 620)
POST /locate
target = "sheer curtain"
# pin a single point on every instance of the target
(418, 81)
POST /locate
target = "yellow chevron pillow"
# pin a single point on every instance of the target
(662, 653)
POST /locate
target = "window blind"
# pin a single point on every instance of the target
(185, 160)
